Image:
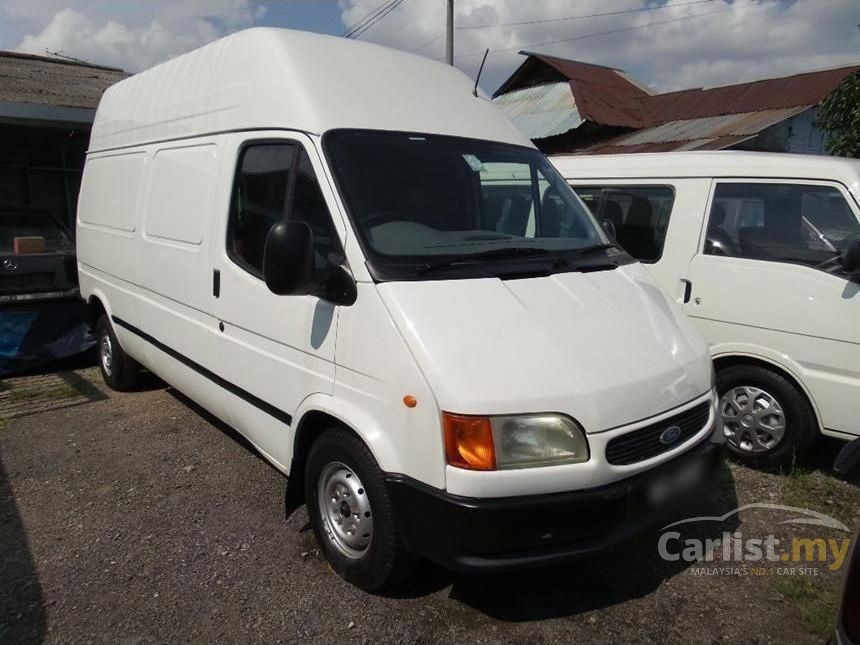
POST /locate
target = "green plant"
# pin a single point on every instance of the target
(840, 118)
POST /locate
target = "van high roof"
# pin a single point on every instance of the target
(719, 163)
(279, 78)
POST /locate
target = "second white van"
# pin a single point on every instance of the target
(369, 272)
(763, 252)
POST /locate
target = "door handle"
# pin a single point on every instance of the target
(688, 290)
(216, 283)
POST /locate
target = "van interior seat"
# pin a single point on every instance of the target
(515, 218)
(717, 241)
(614, 213)
(636, 235)
(550, 216)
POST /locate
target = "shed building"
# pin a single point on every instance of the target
(567, 106)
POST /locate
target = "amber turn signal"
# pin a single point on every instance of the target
(410, 401)
(469, 442)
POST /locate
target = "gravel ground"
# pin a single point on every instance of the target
(137, 518)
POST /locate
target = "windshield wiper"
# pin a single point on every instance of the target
(500, 253)
(588, 250)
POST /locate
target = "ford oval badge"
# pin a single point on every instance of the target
(670, 435)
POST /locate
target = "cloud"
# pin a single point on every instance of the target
(141, 38)
(668, 48)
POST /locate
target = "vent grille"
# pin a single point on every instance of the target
(644, 443)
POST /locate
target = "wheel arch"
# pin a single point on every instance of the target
(94, 310)
(730, 359)
(315, 415)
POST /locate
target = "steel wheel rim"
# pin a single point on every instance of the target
(106, 354)
(753, 419)
(345, 510)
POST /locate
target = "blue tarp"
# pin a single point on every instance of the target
(33, 335)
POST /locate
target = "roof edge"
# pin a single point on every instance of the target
(58, 61)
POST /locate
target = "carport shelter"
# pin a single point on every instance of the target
(47, 106)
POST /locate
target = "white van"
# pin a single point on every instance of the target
(763, 252)
(346, 255)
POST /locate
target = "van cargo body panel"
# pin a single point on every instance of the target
(505, 347)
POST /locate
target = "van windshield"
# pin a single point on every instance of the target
(426, 206)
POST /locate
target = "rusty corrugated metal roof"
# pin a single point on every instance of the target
(707, 133)
(805, 89)
(695, 119)
(541, 111)
(711, 126)
(25, 78)
(602, 94)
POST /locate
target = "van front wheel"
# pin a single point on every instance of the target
(119, 370)
(351, 513)
(767, 421)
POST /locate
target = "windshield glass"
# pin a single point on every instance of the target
(15, 223)
(420, 201)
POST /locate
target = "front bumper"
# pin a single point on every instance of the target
(509, 533)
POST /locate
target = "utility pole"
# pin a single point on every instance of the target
(449, 51)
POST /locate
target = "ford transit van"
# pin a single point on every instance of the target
(372, 275)
(763, 252)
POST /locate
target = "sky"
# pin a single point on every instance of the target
(665, 44)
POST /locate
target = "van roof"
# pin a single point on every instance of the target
(719, 163)
(279, 78)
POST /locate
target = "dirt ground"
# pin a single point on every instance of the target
(136, 518)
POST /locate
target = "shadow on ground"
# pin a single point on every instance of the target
(22, 611)
(631, 571)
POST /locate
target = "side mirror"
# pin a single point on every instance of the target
(339, 286)
(848, 459)
(288, 259)
(851, 259)
(609, 227)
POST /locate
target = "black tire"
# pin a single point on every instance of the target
(799, 420)
(120, 371)
(384, 563)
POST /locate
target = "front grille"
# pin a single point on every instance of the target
(644, 443)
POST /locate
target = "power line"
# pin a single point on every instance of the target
(613, 31)
(391, 6)
(429, 42)
(349, 31)
(582, 17)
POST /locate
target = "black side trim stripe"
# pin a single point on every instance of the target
(246, 396)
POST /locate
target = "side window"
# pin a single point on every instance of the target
(640, 215)
(308, 205)
(258, 201)
(261, 197)
(798, 223)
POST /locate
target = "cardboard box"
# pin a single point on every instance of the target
(28, 244)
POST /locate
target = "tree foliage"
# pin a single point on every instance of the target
(840, 118)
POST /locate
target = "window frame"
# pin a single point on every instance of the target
(601, 202)
(237, 169)
(846, 193)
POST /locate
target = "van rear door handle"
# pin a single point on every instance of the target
(216, 283)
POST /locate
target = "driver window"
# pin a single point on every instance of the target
(259, 192)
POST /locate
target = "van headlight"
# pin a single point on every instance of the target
(513, 441)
